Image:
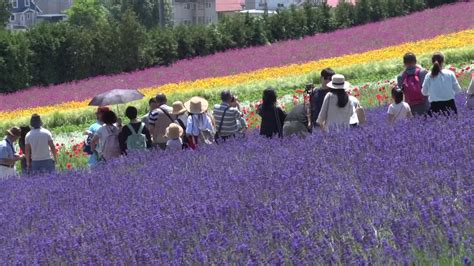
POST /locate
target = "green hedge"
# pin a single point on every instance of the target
(96, 42)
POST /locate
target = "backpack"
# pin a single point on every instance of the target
(137, 140)
(111, 147)
(412, 88)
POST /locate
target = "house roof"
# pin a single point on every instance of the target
(22, 8)
(335, 2)
(229, 5)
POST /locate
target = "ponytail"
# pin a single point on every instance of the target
(437, 59)
(342, 97)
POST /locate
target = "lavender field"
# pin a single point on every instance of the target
(379, 195)
(364, 38)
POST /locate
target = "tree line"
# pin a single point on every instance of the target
(100, 39)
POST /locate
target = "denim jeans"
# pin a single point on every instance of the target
(44, 166)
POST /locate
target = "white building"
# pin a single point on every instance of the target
(23, 14)
(194, 12)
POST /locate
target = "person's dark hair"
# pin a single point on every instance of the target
(397, 95)
(22, 140)
(437, 59)
(269, 98)
(152, 100)
(226, 96)
(342, 97)
(131, 112)
(109, 117)
(327, 73)
(161, 98)
(409, 58)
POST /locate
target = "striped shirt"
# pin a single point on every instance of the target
(230, 123)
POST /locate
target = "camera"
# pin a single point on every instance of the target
(309, 88)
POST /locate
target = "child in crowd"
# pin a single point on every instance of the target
(470, 95)
(398, 110)
(174, 133)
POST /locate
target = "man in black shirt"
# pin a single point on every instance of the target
(132, 112)
(317, 95)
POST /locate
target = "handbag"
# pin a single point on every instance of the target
(470, 101)
(361, 115)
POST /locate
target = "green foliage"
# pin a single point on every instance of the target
(4, 13)
(14, 56)
(86, 13)
(110, 36)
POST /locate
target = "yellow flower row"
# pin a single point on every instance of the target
(455, 40)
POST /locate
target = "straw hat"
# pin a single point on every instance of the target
(14, 132)
(196, 105)
(178, 108)
(339, 82)
(174, 131)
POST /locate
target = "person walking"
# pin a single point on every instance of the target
(441, 85)
(410, 81)
(152, 105)
(159, 120)
(228, 118)
(180, 115)
(8, 155)
(90, 132)
(337, 109)
(317, 95)
(39, 148)
(135, 135)
(106, 140)
(22, 144)
(470, 95)
(272, 115)
(398, 110)
(199, 128)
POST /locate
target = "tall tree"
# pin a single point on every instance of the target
(4, 13)
(86, 13)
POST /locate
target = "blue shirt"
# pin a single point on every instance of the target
(6, 150)
(93, 129)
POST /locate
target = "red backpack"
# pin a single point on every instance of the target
(412, 88)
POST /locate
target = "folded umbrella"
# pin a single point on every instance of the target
(117, 96)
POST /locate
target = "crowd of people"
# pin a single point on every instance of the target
(189, 125)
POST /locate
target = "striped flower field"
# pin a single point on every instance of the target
(364, 44)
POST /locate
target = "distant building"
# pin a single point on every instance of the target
(23, 14)
(26, 13)
(226, 7)
(194, 12)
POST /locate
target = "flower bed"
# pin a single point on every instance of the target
(381, 195)
(361, 39)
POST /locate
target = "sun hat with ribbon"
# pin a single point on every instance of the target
(174, 131)
(178, 108)
(196, 105)
(339, 82)
(14, 132)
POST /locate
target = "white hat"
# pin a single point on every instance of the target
(339, 82)
(196, 105)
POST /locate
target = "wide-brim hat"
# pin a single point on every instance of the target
(339, 82)
(174, 131)
(178, 108)
(14, 132)
(196, 105)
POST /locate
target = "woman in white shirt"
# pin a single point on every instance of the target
(337, 109)
(199, 127)
(398, 110)
(441, 85)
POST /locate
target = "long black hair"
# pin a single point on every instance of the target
(269, 98)
(437, 59)
(342, 97)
